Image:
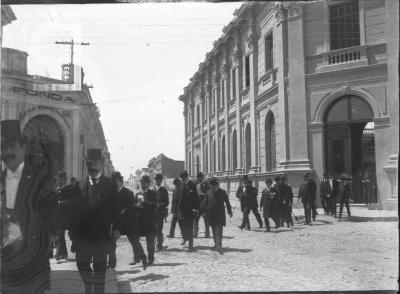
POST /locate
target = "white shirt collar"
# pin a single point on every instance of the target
(96, 177)
(18, 171)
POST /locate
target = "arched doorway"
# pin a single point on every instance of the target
(223, 161)
(270, 145)
(46, 143)
(248, 147)
(234, 151)
(350, 145)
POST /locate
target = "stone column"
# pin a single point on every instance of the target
(297, 101)
(201, 130)
(226, 77)
(282, 119)
(185, 116)
(191, 135)
(217, 141)
(252, 50)
(208, 97)
(237, 58)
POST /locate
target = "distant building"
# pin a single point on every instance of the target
(168, 167)
(299, 86)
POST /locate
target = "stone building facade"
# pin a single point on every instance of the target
(166, 166)
(296, 87)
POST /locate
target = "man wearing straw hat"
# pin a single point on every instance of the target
(27, 205)
(99, 223)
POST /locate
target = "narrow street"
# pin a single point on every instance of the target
(360, 254)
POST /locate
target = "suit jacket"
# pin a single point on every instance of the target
(187, 201)
(215, 203)
(202, 189)
(67, 211)
(307, 192)
(162, 202)
(174, 205)
(25, 262)
(270, 202)
(248, 197)
(129, 219)
(325, 187)
(147, 212)
(94, 227)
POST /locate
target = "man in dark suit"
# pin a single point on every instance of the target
(27, 206)
(242, 200)
(248, 194)
(307, 194)
(125, 198)
(202, 188)
(99, 224)
(174, 213)
(343, 195)
(187, 207)
(285, 201)
(146, 202)
(325, 193)
(216, 200)
(162, 206)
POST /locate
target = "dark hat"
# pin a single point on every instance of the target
(11, 131)
(117, 176)
(145, 179)
(268, 180)
(176, 181)
(307, 174)
(213, 182)
(245, 177)
(200, 175)
(184, 174)
(158, 177)
(94, 154)
(277, 178)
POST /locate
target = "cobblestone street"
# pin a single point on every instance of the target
(360, 254)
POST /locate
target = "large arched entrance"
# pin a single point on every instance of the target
(350, 145)
(46, 143)
(270, 149)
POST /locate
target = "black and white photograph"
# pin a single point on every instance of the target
(175, 146)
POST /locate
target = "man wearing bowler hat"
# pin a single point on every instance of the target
(27, 206)
(99, 223)
(146, 202)
(161, 209)
(202, 188)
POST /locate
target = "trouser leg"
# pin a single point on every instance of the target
(219, 230)
(206, 225)
(173, 225)
(329, 205)
(99, 269)
(131, 239)
(160, 236)
(150, 246)
(196, 225)
(347, 208)
(257, 215)
(83, 261)
(314, 211)
(139, 248)
(112, 256)
(341, 209)
(214, 233)
(324, 204)
(245, 221)
(334, 208)
(266, 221)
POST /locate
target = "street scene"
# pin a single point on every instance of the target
(199, 146)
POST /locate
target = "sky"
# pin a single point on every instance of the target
(140, 58)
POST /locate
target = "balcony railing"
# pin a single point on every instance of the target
(345, 55)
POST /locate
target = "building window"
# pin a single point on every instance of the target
(214, 100)
(344, 25)
(234, 83)
(270, 142)
(247, 71)
(269, 52)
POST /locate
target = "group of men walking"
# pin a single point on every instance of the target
(98, 210)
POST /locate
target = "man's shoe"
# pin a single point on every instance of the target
(151, 261)
(268, 230)
(240, 227)
(170, 236)
(183, 242)
(111, 266)
(159, 248)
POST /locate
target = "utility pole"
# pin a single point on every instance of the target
(72, 43)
